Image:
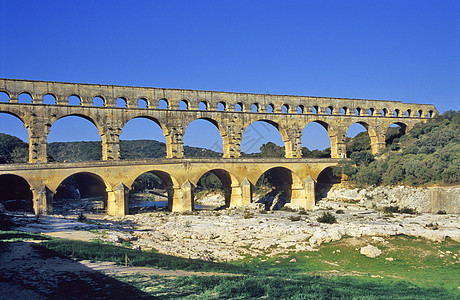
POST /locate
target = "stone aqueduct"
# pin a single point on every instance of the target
(231, 113)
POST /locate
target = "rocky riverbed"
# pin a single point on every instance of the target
(235, 233)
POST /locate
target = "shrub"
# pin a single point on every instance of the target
(407, 210)
(441, 212)
(391, 209)
(81, 217)
(327, 217)
(340, 212)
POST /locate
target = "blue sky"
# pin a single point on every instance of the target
(390, 50)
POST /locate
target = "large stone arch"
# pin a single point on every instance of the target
(142, 115)
(16, 193)
(288, 143)
(333, 137)
(230, 184)
(216, 123)
(90, 118)
(376, 136)
(169, 181)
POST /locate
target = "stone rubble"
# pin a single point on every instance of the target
(235, 233)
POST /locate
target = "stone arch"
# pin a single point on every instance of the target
(221, 106)
(142, 103)
(228, 180)
(284, 135)
(163, 103)
(121, 102)
(15, 193)
(396, 112)
(239, 107)
(184, 105)
(330, 132)
(46, 99)
(25, 97)
(371, 112)
(220, 128)
(80, 185)
(409, 113)
(270, 108)
(315, 109)
(86, 117)
(358, 111)
(155, 120)
(282, 180)
(203, 105)
(285, 108)
(330, 110)
(344, 111)
(255, 107)
(392, 136)
(74, 97)
(384, 112)
(324, 182)
(96, 103)
(300, 109)
(377, 138)
(4, 93)
(169, 182)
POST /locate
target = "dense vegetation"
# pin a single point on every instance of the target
(428, 154)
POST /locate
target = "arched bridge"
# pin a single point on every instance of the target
(173, 110)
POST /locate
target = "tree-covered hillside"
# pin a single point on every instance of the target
(428, 154)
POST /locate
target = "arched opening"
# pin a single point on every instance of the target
(330, 110)
(396, 113)
(384, 112)
(81, 193)
(358, 111)
(98, 101)
(74, 100)
(183, 105)
(203, 105)
(25, 98)
(314, 110)
(357, 138)
(262, 139)
(151, 191)
(270, 108)
(14, 146)
(430, 114)
(408, 113)
(300, 109)
(142, 103)
(221, 106)
(285, 109)
(420, 113)
(371, 112)
(326, 179)
(239, 107)
(315, 140)
(15, 194)
(163, 104)
(142, 138)
(343, 111)
(120, 102)
(74, 138)
(393, 135)
(255, 107)
(4, 97)
(273, 188)
(213, 190)
(49, 99)
(203, 139)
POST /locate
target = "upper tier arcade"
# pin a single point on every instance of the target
(231, 113)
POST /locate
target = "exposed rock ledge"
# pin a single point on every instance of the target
(431, 199)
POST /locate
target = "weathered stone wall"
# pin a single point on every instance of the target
(290, 114)
(430, 199)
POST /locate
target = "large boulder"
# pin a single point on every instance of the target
(370, 251)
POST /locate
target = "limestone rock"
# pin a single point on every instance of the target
(370, 251)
